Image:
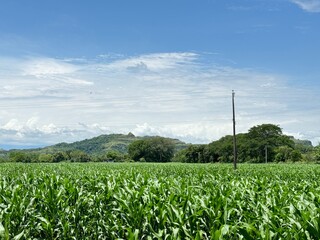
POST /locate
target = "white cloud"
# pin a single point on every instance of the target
(39, 77)
(153, 62)
(50, 129)
(42, 67)
(12, 125)
(199, 132)
(147, 130)
(308, 5)
(181, 95)
(32, 132)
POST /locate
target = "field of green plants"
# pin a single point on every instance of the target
(159, 201)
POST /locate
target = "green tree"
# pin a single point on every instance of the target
(317, 153)
(114, 156)
(221, 150)
(34, 156)
(195, 154)
(45, 157)
(265, 131)
(251, 145)
(79, 156)
(296, 156)
(160, 150)
(180, 156)
(155, 149)
(266, 135)
(285, 154)
(138, 149)
(59, 157)
(19, 156)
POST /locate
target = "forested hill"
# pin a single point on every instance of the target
(105, 143)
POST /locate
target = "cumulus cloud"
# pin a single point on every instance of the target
(34, 133)
(180, 95)
(198, 132)
(308, 5)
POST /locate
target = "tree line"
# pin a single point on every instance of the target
(63, 156)
(153, 149)
(262, 143)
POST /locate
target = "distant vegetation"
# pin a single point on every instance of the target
(104, 148)
(262, 143)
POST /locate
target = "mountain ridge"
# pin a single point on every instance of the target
(102, 144)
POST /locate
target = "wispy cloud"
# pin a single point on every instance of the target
(182, 95)
(153, 62)
(308, 5)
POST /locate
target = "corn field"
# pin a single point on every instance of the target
(159, 201)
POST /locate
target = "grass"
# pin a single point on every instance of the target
(159, 201)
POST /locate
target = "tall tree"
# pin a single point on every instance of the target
(155, 149)
(138, 149)
(264, 139)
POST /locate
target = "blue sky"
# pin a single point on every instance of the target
(76, 69)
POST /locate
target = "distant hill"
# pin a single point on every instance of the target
(303, 146)
(305, 143)
(104, 143)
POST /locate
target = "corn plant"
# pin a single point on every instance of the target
(159, 201)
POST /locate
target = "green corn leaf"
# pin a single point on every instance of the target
(2, 230)
(19, 236)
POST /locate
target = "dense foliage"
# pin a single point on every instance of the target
(262, 143)
(155, 149)
(159, 201)
(104, 148)
(102, 143)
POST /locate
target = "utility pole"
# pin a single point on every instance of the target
(266, 153)
(234, 134)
